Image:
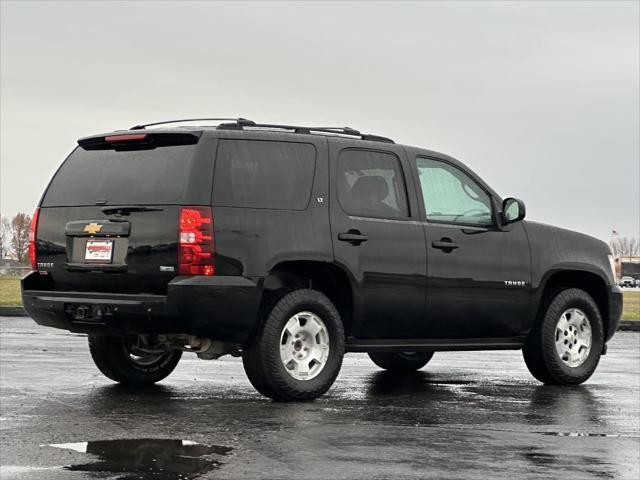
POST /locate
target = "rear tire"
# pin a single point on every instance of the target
(296, 352)
(112, 356)
(565, 345)
(401, 361)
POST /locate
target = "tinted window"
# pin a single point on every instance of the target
(263, 174)
(370, 184)
(450, 195)
(156, 176)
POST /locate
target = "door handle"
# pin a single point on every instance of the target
(445, 244)
(354, 237)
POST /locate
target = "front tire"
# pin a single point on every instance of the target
(296, 352)
(401, 361)
(114, 358)
(564, 347)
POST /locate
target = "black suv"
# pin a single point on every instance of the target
(290, 246)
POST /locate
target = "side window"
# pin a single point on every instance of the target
(450, 195)
(370, 184)
(264, 174)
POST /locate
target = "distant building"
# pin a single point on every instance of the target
(627, 266)
(8, 266)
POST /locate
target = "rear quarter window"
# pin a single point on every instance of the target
(264, 174)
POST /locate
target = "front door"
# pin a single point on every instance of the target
(479, 283)
(378, 239)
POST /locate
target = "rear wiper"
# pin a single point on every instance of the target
(127, 209)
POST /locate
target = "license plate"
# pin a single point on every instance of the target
(98, 251)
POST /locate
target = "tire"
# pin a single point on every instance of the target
(401, 361)
(540, 352)
(112, 357)
(262, 357)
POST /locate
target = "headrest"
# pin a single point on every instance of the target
(373, 188)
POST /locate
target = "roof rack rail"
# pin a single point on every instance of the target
(242, 123)
(348, 131)
(239, 121)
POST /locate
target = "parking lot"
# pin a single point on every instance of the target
(473, 415)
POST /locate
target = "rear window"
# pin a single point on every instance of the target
(153, 177)
(264, 174)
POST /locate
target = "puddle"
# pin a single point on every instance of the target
(571, 464)
(587, 434)
(151, 458)
(16, 471)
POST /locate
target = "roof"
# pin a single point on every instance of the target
(250, 125)
(235, 126)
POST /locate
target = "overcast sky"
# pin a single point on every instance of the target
(541, 99)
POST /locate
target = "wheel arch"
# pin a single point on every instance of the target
(326, 277)
(593, 283)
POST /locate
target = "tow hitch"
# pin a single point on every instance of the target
(87, 312)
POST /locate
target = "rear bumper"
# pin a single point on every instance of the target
(615, 311)
(221, 308)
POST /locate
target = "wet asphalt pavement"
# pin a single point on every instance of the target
(473, 415)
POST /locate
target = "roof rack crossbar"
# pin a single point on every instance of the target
(239, 121)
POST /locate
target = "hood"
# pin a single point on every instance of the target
(555, 246)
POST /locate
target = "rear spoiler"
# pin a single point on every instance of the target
(138, 141)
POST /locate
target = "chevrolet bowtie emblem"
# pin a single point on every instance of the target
(92, 228)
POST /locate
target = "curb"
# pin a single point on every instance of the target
(629, 325)
(17, 311)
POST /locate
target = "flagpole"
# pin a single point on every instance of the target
(618, 261)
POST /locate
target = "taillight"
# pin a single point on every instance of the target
(32, 239)
(195, 242)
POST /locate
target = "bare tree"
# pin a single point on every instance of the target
(20, 225)
(625, 246)
(5, 235)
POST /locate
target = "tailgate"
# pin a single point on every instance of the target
(81, 249)
(108, 221)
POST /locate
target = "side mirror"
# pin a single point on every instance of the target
(513, 210)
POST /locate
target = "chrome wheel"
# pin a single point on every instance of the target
(146, 360)
(573, 337)
(304, 346)
(138, 355)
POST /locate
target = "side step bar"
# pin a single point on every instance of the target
(434, 344)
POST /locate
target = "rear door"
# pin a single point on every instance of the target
(377, 238)
(108, 220)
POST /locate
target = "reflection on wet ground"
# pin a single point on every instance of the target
(572, 462)
(150, 458)
(465, 415)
